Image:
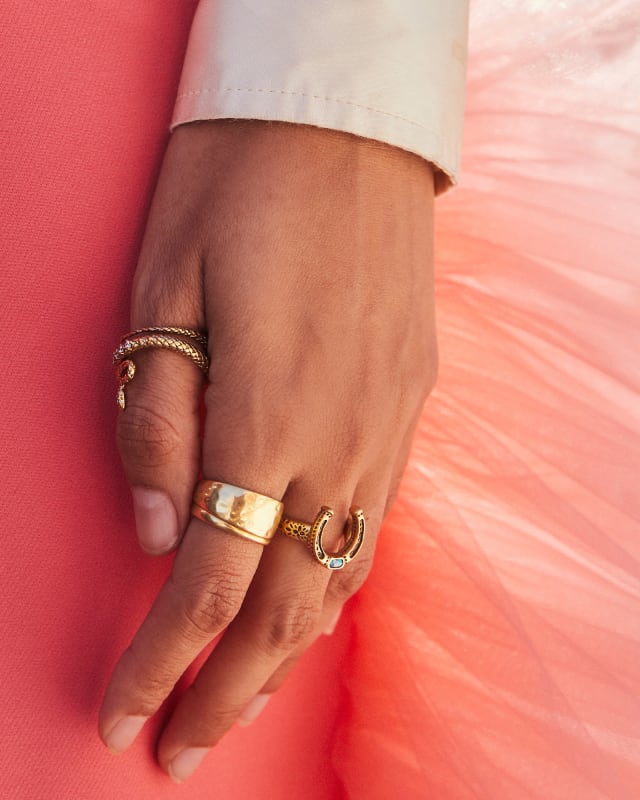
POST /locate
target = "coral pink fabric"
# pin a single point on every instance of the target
(494, 653)
(497, 645)
(86, 98)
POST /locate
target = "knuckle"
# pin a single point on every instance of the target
(152, 685)
(145, 437)
(167, 281)
(291, 625)
(347, 583)
(209, 606)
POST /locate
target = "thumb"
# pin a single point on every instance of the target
(158, 431)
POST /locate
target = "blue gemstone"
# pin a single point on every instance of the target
(336, 563)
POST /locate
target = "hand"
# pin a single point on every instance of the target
(307, 255)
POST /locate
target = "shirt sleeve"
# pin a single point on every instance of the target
(392, 70)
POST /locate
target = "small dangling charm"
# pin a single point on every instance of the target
(124, 373)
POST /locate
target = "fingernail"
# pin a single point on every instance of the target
(123, 733)
(332, 625)
(253, 709)
(156, 519)
(185, 763)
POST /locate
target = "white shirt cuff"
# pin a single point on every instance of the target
(391, 71)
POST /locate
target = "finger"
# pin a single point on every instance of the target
(158, 431)
(280, 613)
(210, 575)
(328, 621)
(257, 704)
(342, 586)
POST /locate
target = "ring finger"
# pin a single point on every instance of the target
(343, 583)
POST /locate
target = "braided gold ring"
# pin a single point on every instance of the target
(189, 333)
(171, 338)
(311, 536)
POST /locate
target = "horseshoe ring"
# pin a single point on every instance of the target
(311, 536)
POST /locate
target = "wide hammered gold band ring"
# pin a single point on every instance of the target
(248, 514)
(184, 341)
(311, 536)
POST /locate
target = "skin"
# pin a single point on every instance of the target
(307, 255)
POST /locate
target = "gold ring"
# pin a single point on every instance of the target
(249, 514)
(311, 536)
(166, 338)
(197, 336)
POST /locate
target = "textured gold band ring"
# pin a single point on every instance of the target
(163, 338)
(311, 536)
(249, 514)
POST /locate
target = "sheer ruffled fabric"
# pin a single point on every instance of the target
(496, 649)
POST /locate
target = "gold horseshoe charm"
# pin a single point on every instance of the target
(311, 535)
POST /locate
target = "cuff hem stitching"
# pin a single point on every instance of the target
(198, 92)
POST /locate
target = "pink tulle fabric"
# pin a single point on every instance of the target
(494, 653)
(496, 648)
